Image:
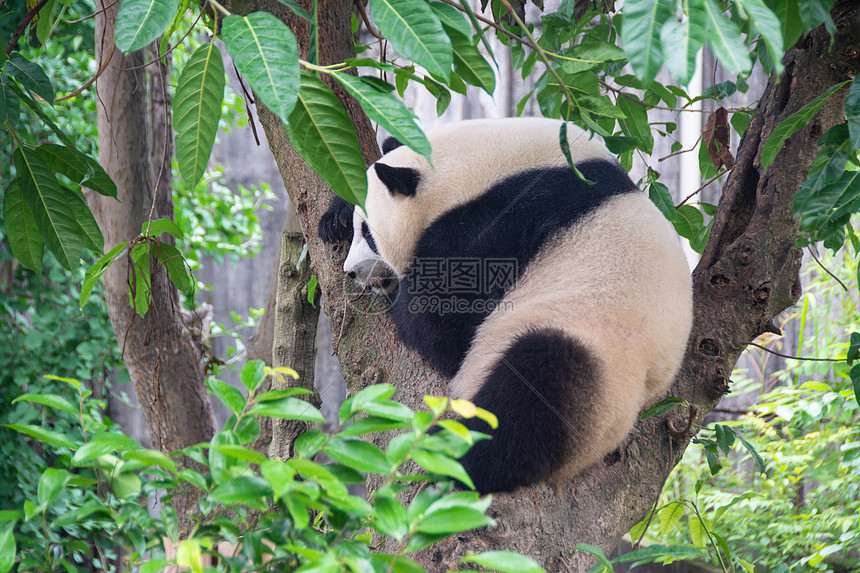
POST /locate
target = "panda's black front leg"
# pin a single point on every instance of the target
(336, 223)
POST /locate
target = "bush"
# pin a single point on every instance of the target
(91, 507)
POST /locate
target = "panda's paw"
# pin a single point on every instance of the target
(336, 223)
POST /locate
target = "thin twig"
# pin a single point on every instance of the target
(363, 13)
(681, 151)
(842, 284)
(794, 357)
(705, 184)
(22, 25)
(93, 79)
(93, 15)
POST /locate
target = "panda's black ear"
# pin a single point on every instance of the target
(389, 144)
(336, 224)
(399, 180)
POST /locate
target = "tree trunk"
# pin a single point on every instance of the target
(163, 351)
(748, 274)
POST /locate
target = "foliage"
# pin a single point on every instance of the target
(801, 507)
(295, 514)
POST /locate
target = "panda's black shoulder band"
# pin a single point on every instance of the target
(336, 223)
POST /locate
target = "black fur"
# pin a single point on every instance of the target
(336, 223)
(365, 232)
(537, 390)
(399, 180)
(390, 144)
(512, 221)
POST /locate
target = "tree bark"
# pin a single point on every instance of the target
(294, 337)
(163, 351)
(748, 274)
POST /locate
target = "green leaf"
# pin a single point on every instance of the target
(291, 408)
(297, 10)
(67, 161)
(139, 293)
(151, 457)
(10, 107)
(755, 455)
(479, 30)
(308, 444)
(100, 182)
(682, 39)
(87, 226)
(470, 64)
(279, 475)
(855, 381)
(21, 228)
(51, 400)
(322, 133)
(246, 490)
(242, 453)
(95, 272)
(159, 226)
(197, 110)
(698, 532)
(689, 221)
(388, 111)
(397, 563)
(636, 123)
(358, 454)
(49, 203)
(51, 485)
(725, 437)
(813, 13)
(640, 35)
(32, 77)
(853, 348)
(441, 464)
(453, 520)
(788, 14)
(587, 55)
(765, 22)
(852, 113)
(7, 537)
(829, 208)
(228, 395)
(125, 485)
(451, 17)
(139, 22)
(791, 124)
(193, 477)
(662, 198)
(389, 517)
(670, 515)
(43, 435)
(662, 407)
(415, 33)
(252, 375)
(172, 259)
(597, 552)
(506, 561)
(103, 443)
(372, 424)
(265, 52)
(725, 40)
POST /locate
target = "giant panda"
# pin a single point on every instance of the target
(591, 328)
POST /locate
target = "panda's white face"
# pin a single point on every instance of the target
(363, 262)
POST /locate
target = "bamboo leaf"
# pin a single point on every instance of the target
(319, 129)
(139, 22)
(415, 32)
(197, 110)
(264, 50)
(388, 111)
(21, 228)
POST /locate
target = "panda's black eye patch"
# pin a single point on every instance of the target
(365, 232)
